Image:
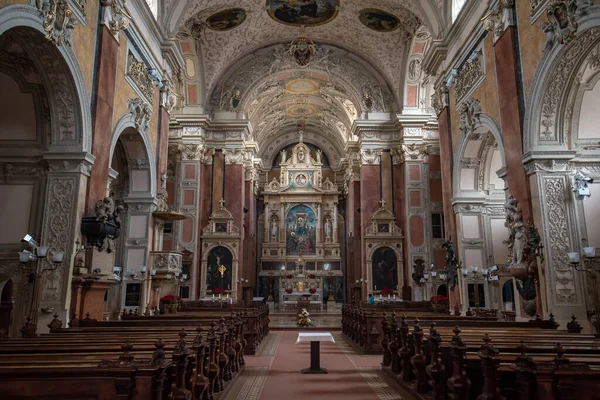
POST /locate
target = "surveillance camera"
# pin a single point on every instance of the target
(29, 239)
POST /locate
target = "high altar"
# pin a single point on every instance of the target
(301, 250)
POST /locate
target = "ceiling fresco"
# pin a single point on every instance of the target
(226, 19)
(303, 12)
(378, 20)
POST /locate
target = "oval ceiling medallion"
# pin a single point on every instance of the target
(303, 12)
(301, 110)
(225, 20)
(302, 86)
(378, 20)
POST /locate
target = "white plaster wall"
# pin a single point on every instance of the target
(495, 165)
(140, 180)
(17, 112)
(471, 228)
(499, 234)
(589, 119)
(591, 210)
(135, 259)
(472, 149)
(138, 227)
(15, 211)
(474, 257)
(467, 179)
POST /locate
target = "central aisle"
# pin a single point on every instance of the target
(274, 373)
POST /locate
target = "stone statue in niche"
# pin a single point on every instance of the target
(328, 228)
(418, 274)
(283, 156)
(318, 156)
(274, 231)
(414, 70)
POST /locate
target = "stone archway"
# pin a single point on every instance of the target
(56, 163)
(478, 199)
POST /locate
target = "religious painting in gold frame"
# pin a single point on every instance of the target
(303, 12)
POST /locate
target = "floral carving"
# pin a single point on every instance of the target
(559, 79)
(138, 72)
(558, 235)
(467, 76)
(562, 20)
(141, 113)
(58, 20)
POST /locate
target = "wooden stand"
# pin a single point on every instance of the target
(315, 360)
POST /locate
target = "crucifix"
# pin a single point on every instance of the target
(222, 203)
(382, 202)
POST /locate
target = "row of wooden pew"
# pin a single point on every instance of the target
(187, 356)
(363, 324)
(483, 363)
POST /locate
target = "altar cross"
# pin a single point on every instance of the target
(382, 202)
(222, 203)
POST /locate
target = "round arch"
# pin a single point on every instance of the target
(549, 90)
(487, 127)
(20, 15)
(127, 122)
(369, 259)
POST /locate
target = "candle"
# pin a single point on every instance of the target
(219, 296)
(227, 295)
(394, 296)
(213, 296)
(375, 287)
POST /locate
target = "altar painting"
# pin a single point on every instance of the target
(219, 269)
(301, 230)
(385, 269)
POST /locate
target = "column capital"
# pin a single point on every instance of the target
(70, 163)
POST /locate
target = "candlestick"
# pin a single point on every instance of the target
(394, 296)
(219, 296)
(213, 296)
(227, 296)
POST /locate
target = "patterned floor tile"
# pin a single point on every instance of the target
(249, 385)
(377, 382)
(269, 348)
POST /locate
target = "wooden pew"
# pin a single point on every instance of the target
(459, 365)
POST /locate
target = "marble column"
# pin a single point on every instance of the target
(335, 222)
(104, 104)
(507, 76)
(267, 225)
(319, 224)
(63, 209)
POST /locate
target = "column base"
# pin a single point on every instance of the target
(87, 297)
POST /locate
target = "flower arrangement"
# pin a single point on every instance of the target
(288, 290)
(387, 291)
(304, 319)
(312, 276)
(218, 290)
(289, 276)
(170, 299)
(312, 290)
(440, 299)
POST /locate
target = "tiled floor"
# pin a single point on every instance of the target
(274, 373)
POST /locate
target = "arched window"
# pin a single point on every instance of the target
(457, 5)
(153, 4)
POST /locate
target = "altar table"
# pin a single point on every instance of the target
(315, 339)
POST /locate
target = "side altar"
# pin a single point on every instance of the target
(301, 255)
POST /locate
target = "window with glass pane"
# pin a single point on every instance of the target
(168, 227)
(480, 295)
(153, 4)
(437, 225)
(457, 5)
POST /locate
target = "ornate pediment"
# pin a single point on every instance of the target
(220, 224)
(383, 223)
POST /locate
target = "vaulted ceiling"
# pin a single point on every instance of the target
(248, 66)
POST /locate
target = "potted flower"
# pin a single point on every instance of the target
(170, 303)
(312, 290)
(289, 276)
(304, 319)
(440, 304)
(312, 276)
(387, 291)
(218, 291)
(288, 290)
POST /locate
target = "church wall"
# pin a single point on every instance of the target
(531, 43)
(486, 93)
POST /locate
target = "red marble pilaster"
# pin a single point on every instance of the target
(103, 116)
(235, 198)
(204, 187)
(400, 214)
(250, 229)
(369, 203)
(446, 173)
(163, 145)
(505, 52)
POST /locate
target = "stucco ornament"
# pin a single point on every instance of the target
(524, 244)
(562, 21)
(141, 113)
(58, 20)
(470, 113)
